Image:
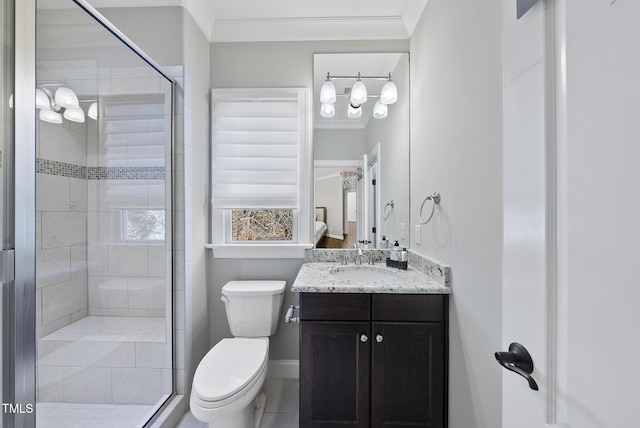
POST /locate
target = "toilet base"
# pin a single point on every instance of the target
(249, 417)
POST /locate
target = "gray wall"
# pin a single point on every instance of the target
(156, 30)
(393, 135)
(196, 134)
(456, 149)
(269, 64)
(339, 144)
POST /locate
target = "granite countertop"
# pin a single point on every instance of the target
(318, 278)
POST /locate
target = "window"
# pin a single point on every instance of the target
(260, 167)
(143, 225)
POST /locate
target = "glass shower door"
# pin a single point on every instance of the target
(104, 245)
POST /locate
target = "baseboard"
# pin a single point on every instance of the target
(283, 369)
(338, 237)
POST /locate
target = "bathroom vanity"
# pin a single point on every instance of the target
(373, 352)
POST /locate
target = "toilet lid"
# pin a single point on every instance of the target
(229, 367)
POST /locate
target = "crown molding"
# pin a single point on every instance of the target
(201, 14)
(309, 29)
(286, 29)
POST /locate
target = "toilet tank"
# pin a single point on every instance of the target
(253, 307)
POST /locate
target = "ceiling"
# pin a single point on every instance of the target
(292, 20)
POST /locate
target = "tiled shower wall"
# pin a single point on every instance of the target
(85, 182)
(61, 222)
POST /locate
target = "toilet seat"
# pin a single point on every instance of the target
(230, 369)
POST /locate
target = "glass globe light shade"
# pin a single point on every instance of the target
(66, 98)
(93, 111)
(327, 110)
(389, 93)
(380, 110)
(328, 92)
(74, 115)
(42, 100)
(358, 93)
(50, 116)
(354, 112)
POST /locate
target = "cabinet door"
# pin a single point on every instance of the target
(408, 375)
(334, 374)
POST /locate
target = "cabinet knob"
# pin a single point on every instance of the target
(363, 338)
(379, 338)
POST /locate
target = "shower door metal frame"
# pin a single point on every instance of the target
(19, 295)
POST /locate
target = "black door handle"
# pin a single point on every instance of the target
(519, 361)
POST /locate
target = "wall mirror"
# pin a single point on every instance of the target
(361, 151)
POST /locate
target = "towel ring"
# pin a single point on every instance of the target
(436, 200)
(385, 214)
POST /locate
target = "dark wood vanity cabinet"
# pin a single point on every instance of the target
(373, 360)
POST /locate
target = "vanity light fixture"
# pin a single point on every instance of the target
(328, 92)
(354, 112)
(53, 108)
(50, 116)
(65, 97)
(358, 92)
(358, 95)
(380, 110)
(63, 104)
(389, 92)
(93, 111)
(42, 100)
(74, 114)
(327, 110)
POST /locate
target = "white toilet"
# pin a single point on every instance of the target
(228, 380)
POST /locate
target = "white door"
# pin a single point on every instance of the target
(352, 211)
(571, 297)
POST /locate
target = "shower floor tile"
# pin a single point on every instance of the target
(112, 329)
(75, 415)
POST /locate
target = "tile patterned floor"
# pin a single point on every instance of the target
(79, 415)
(281, 411)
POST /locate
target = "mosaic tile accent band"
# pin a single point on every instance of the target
(63, 169)
(126, 173)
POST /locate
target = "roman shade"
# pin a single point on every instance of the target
(256, 150)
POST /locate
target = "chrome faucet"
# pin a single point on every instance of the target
(358, 253)
(360, 246)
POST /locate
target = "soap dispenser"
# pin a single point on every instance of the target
(396, 252)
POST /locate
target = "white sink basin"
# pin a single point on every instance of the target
(362, 273)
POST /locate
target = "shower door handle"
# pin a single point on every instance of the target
(7, 266)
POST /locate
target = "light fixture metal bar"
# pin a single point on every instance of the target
(361, 77)
(368, 96)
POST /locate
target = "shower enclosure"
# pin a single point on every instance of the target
(103, 214)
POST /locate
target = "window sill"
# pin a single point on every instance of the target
(257, 251)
